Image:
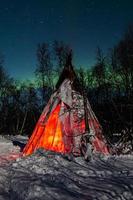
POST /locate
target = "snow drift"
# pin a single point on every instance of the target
(52, 176)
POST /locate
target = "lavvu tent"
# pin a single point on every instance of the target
(61, 126)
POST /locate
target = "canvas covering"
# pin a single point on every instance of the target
(62, 124)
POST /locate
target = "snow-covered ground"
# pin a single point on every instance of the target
(49, 176)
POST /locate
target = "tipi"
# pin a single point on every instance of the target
(61, 126)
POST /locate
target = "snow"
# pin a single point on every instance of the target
(52, 176)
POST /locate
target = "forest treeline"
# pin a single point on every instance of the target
(108, 85)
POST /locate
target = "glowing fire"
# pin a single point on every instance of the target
(52, 139)
(53, 135)
(48, 136)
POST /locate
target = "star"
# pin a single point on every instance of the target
(6, 8)
(41, 22)
(61, 19)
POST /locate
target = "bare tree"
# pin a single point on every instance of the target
(6, 86)
(124, 61)
(44, 68)
(61, 51)
(99, 68)
(99, 73)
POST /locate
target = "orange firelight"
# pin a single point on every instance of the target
(47, 136)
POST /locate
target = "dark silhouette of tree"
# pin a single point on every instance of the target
(44, 69)
(61, 51)
(124, 61)
(6, 84)
(99, 73)
(31, 110)
(115, 78)
(23, 109)
(99, 68)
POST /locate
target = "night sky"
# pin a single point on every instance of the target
(83, 24)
